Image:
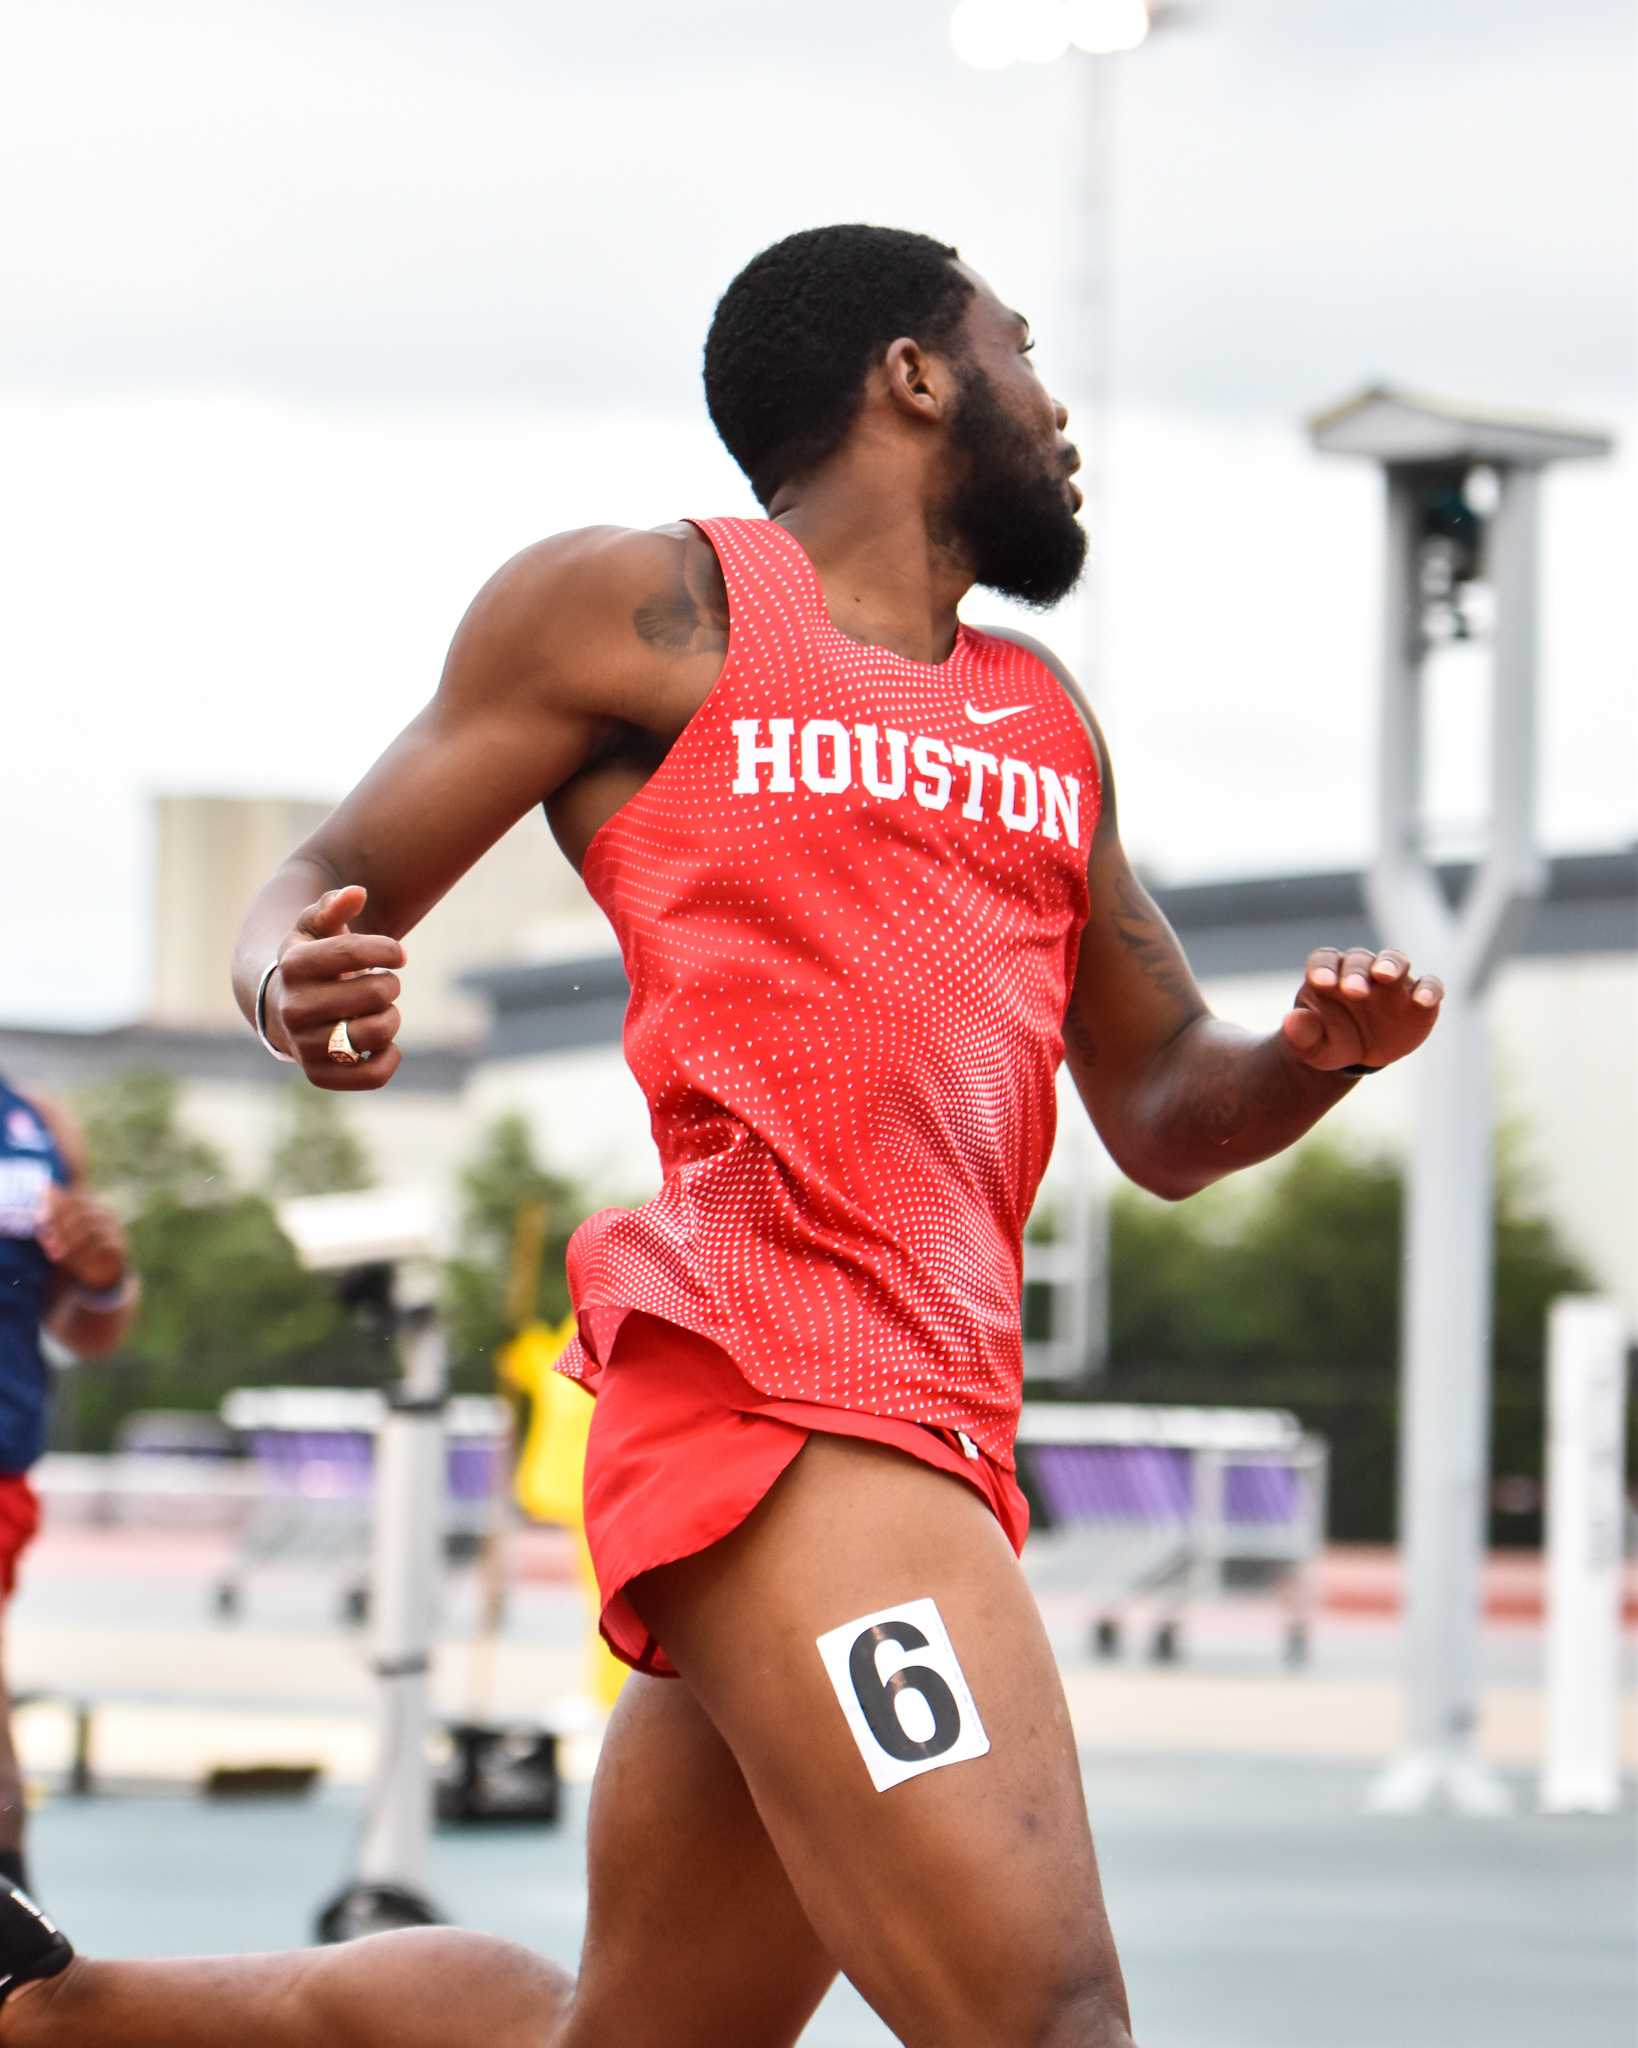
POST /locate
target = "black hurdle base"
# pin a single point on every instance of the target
(500, 1776)
(374, 1909)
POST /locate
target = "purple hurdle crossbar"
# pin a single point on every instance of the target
(1148, 1484)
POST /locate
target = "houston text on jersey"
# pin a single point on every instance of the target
(828, 757)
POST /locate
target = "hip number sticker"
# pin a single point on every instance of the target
(903, 1692)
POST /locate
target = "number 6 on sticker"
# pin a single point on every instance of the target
(903, 1692)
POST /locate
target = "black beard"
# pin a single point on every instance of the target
(1008, 516)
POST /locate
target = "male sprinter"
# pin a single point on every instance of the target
(863, 864)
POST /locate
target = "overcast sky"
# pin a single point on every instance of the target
(311, 314)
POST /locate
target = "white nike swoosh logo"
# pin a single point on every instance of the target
(990, 717)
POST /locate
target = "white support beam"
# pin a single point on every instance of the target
(1586, 1506)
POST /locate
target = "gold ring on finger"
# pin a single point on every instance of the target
(342, 1049)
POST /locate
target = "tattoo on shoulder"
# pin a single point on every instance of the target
(692, 616)
(1143, 932)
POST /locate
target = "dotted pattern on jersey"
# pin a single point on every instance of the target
(846, 1008)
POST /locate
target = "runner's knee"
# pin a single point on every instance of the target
(1085, 2017)
(1032, 2002)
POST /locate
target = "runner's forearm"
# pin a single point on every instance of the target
(300, 881)
(1219, 1098)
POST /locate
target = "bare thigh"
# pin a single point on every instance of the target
(964, 1903)
(693, 1933)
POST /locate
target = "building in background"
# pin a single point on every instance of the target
(211, 854)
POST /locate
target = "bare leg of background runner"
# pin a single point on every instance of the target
(694, 1939)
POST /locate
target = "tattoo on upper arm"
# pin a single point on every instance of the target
(692, 617)
(1147, 936)
(1079, 1034)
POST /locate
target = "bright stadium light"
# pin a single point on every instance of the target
(991, 34)
(985, 34)
(1101, 27)
(1042, 30)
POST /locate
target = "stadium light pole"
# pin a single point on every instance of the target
(992, 35)
(1462, 495)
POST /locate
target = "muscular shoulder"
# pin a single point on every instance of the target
(1077, 697)
(583, 610)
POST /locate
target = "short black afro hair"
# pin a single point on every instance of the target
(795, 333)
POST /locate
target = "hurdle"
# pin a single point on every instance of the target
(1176, 1506)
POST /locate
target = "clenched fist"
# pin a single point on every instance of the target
(1360, 1009)
(329, 975)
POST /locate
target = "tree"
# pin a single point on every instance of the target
(225, 1301)
(317, 1154)
(139, 1148)
(503, 1181)
(1292, 1300)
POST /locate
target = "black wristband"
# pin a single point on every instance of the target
(1355, 1072)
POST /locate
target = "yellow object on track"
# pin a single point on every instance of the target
(552, 1466)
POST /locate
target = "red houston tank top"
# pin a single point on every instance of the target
(849, 901)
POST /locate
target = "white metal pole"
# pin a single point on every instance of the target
(1444, 1424)
(1209, 1524)
(1586, 1427)
(409, 1522)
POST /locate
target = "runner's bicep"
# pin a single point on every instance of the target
(510, 723)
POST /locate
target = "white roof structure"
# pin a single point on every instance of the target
(1395, 426)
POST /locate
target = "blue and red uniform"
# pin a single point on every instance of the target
(30, 1162)
(849, 902)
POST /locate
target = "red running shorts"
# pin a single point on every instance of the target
(683, 1447)
(19, 1524)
